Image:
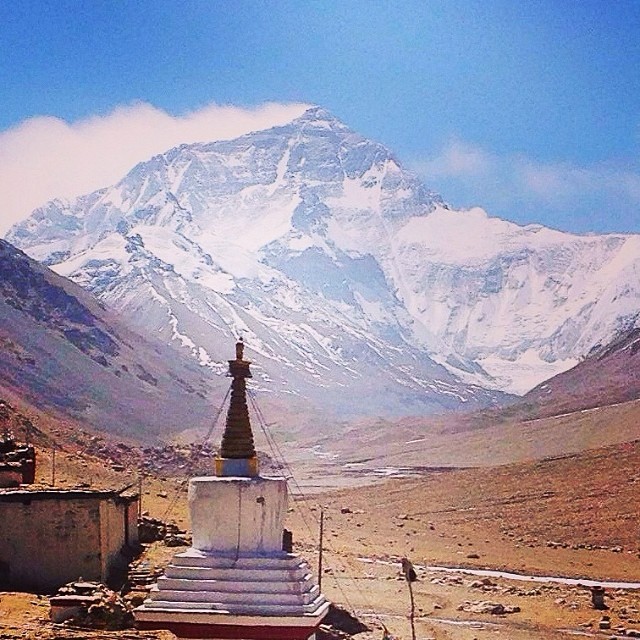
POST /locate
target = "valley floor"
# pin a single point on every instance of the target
(574, 516)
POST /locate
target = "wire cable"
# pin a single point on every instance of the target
(195, 458)
(278, 455)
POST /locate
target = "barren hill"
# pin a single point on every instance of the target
(62, 350)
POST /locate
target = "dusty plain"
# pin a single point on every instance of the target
(572, 515)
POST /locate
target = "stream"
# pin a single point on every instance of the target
(490, 573)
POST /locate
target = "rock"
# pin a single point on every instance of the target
(326, 632)
(473, 556)
(494, 608)
(136, 598)
(604, 624)
(91, 605)
(176, 540)
(597, 598)
(154, 530)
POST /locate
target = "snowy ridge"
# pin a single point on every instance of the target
(346, 276)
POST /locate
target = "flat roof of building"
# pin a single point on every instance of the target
(28, 493)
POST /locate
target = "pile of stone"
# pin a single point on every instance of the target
(17, 461)
(166, 460)
(90, 605)
(155, 530)
(140, 579)
(482, 606)
(487, 585)
(445, 580)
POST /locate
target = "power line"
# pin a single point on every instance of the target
(281, 460)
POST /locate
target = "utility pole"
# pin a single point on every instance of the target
(320, 549)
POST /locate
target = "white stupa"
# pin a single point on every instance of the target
(236, 581)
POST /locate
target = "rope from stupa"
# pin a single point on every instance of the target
(194, 460)
(301, 497)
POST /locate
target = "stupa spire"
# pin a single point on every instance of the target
(237, 455)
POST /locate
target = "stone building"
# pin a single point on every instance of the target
(53, 536)
(17, 461)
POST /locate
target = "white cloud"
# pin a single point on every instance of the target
(45, 157)
(591, 197)
(559, 183)
(457, 159)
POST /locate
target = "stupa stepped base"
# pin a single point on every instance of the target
(206, 595)
(237, 608)
(288, 589)
(231, 593)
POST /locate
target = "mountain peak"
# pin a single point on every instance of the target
(317, 115)
(311, 230)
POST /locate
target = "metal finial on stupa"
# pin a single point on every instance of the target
(237, 455)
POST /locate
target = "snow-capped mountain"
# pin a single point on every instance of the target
(351, 282)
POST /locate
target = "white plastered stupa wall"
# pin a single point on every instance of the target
(238, 516)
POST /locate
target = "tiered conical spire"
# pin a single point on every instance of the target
(237, 441)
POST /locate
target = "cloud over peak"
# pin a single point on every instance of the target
(45, 157)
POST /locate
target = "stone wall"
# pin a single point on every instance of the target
(51, 538)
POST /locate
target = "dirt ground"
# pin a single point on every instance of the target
(575, 516)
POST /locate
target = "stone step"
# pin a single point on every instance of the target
(195, 558)
(300, 574)
(248, 597)
(253, 609)
(231, 586)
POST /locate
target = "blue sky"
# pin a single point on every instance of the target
(529, 109)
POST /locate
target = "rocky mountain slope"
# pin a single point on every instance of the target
(609, 375)
(61, 350)
(346, 276)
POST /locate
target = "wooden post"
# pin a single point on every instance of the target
(413, 612)
(410, 576)
(139, 496)
(320, 549)
(53, 466)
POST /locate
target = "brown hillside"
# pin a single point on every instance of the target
(609, 375)
(62, 351)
